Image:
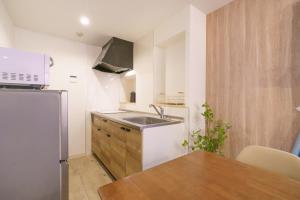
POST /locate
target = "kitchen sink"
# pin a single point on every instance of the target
(146, 120)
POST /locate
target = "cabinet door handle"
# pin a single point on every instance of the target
(125, 129)
(104, 120)
(98, 129)
(108, 135)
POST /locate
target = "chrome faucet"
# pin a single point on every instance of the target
(160, 112)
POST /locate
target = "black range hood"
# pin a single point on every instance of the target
(116, 56)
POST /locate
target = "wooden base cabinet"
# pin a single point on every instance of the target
(117, 146)
(101, 144)
(133, 152)
(118, 157)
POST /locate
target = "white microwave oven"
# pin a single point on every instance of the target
(23, 69)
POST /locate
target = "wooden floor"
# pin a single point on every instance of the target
(85, 177)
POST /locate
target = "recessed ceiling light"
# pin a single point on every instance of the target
(84, 20)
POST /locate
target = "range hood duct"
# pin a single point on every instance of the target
(116, 56)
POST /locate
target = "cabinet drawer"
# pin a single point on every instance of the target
(101, 144)
(134, 139)
(119, 131)
(96, 132)
(96, 150)
(96, 135)
(97, 121)
(117, 146)
(105, 151)
(101, 122)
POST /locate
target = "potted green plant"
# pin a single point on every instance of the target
(212, 138)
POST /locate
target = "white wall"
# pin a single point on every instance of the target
(192, 23)
(128, 84)
(143, 65)
(175, 67)
(196, 66)
(171, 27)
(92, 91)
(149, 55)
(159, 74)
(6, 28)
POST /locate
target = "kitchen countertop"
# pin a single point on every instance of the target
(119, 118)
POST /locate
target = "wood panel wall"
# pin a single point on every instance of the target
(253, 71)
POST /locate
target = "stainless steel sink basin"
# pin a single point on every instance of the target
(146, 120)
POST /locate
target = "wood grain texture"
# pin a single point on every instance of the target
(96, 140)
(201, 175)
(253, 71)
(85, 177)
(134, 152)
(117, 146)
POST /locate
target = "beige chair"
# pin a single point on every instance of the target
(271, 159)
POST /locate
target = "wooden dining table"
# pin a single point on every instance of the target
(201, 175)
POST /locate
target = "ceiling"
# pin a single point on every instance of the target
(126, 19)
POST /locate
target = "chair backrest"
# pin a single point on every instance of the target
(296, 148)
(271, 159)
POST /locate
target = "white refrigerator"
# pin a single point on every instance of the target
(33, 144)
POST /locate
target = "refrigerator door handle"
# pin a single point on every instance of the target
(64, 126)
(64, 166)
(64, 180)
